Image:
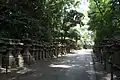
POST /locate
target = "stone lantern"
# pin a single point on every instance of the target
(56, 49)
(65, 51)
(2, 53)
(47, 51)
(18, 55)
(28, 59)
(41, 51)
(35, 50)
(51, 51)
(44, 51)
(10, 59)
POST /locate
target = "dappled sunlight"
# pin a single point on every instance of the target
(104, 76)
(66, 61)
(108, 77)
(84, 51)
(70, 55)
(80, 52)
(94, 72)
(3, 70)
(77, 67)
(25, 70)
(60, 66)
(72, 66)
(91, 63)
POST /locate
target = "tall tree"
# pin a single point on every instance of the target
(40, 19)
(104, 18)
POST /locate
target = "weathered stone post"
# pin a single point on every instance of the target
(51, 51)
(37, 51)
(55, 49)
(45, 55)
(45, 49)
(28, 59)
(48, 51)
(9, 58)
(2, 53)
(43, 52)
(18, 55)
(65, 50)
(62, 50)
(0, 59)
(59, 49)
(34, 51)
(40, 51)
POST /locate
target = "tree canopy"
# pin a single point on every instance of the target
(42, 20)
(104, 18)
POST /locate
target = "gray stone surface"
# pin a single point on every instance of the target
(78, 66)
(0, 60)
(75, 66)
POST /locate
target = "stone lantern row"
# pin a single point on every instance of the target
(109, 49)
(18, 53)
(108, 53)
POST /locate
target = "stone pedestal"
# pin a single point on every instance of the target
(0, 60)
(116, 58)
(9, 59)
(19, 59)
(40, 52)
(28, 59)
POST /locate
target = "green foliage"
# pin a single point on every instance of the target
(43, 20)
(104, 18)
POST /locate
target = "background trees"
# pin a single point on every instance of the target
(104, 18)
(45, 20)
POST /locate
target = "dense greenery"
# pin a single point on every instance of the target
(44, 20)
(104, 18)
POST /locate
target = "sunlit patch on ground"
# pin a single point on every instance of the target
(25, 70)
(108, 77)
(83, 52)
(80, 52)
(71, 55)
(94, 72)
(3, 70)
(66, 61)
(91, 63)
(60, 66)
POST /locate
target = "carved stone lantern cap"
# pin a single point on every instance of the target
(2, 42)
(41, 45)
(27, 40)
(10, 44)
(27, 45)
(33, 44)
(2, 47)
(21, 44)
